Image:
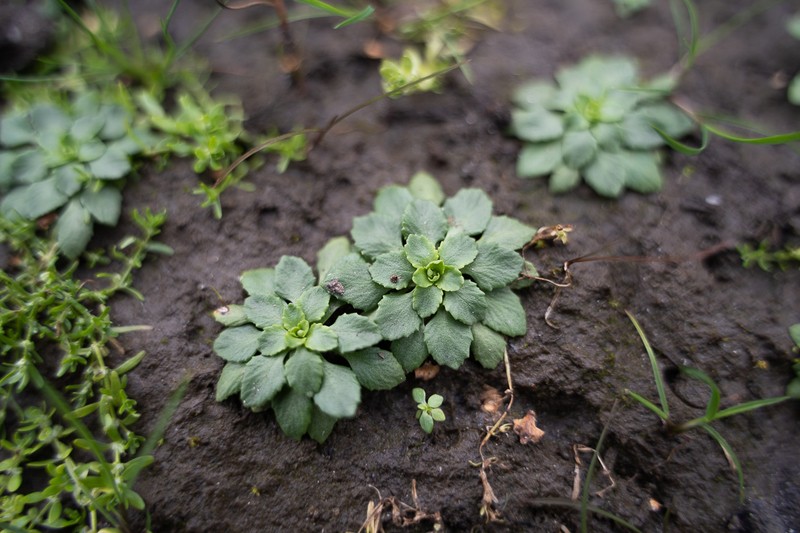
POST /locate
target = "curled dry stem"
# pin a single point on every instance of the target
(403, 515)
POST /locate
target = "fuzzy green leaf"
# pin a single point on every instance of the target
(458, 249)
(112, 165)
(435, 401)
(507, 232)
(437, 414)
(265, 310)
(538, 159)
(91, 150)
(238, 344)
(392, 270)
(504, 313)
(38, 199)
(48, 118)
(426, 300)
(606, 175)
(16, 130)
(86, 127)
(579, 148)
(321, 338)
(231, 315)
(272, 340)
(467, 305)
(29, 167)
(376, 234)
(534, 94)
(451, 279)
(376, 369)
(321, 425)
(396, 317)
(349, 280)
(425, 187)
(426, 422)
(314, 303)
(418, 394)
(420, 251)
(494, 266)
(259, 281)
(488, 346)
(304, 371)
(641, 171)
(69, 179)
(470, 210)
(608, 136)
(104, 204)
(793, 93)
(355, 332)
(74, 229)
(263, 378)
(334, 250)
(410, 351)
(564, 179)
(340, 393)
(422, 217)
(447, 339)
(391, 201)
(230, 381)
(536, 124)
(292, 316)
(293, 277)
(293, 412)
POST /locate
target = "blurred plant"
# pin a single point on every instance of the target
(713, 411)
(767, 259)
(69, 157)
(626, 8)
(600, 123)
(411, 67)
(793, 25)
(793, 389)
(292, 148)
(428, 411)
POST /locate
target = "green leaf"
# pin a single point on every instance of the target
(263, 378)
(86, 127)
(425, 187)
(38, 199)
(470, 210)
(334, 250)
(424, 218)
(534, 94)
(494, 266)
(91, 150)
(564, 179)
(16, 130)
(29, 167)
(467, 305)
(73, 229)
(426, 422)
(321, 338)
(579, 148)
(793, 93)
(314, 303)
(396, 317)
(391, 201)
(457, 249)
(265, 310)
(231, 315)
(104, 204)
(418, 394)
(437, 414)
(293, 277)
(259, 281)
(238, 344)
(392, 270)
(355, 332)
(536, 124)
(292, 316)
(112, 165)
(447, 339)
(451, 279)
(507, 232)
(340, 393)
(641, 171)
(69, 179)
(293, 412)
(304, 371)
(504, 313)
(435, 401)
(794, 334)
(608, 136)
(420, 251)
(272, 340)
(230, 381)
(48, 118)
(410, 351)
(426, 300)
(321, 425)
(376, 234)
(538, 159)
(376, 369)
(488, 346)
(606, 175)
(349, 280)
(117, 122)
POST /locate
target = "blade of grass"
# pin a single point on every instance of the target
(713, 402)
(662, 395)
(749, 406)
(685, 149)
(587, 483)
(733, 460)
(650, 405)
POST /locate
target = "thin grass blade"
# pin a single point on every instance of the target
(749, 406)
(662, 394)
(733, 459)
(713, 403)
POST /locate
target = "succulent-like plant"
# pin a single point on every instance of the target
(598, 122)
(410, 68)
(435, 274)
(281, 352)
(69, 158)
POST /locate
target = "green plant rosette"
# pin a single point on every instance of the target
(284, 348)
(597, 122)
(70, 159)
(434, 273)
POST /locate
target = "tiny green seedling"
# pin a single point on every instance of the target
(767, 259)
(713, 411)
(428, 411)
(794, 86)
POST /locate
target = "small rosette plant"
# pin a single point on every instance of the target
(282, 354)
(69, 159)
(435, 274)
(598, 122)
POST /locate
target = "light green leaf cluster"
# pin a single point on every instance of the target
(68, 158)
(428, 410)
(410, 68)
(599, 122)
(434, 273)
(275, 346)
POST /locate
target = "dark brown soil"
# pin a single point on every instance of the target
(223, 468)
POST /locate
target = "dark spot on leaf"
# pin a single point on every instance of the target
(335, 287)
(394, 278)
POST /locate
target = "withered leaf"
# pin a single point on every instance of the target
(527, 430)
